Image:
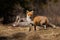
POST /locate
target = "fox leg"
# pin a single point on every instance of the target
(31, 24)
(45, 27)
(42, 23)
(30, 27)
(35, 27)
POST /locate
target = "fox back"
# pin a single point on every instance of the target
(40, 20)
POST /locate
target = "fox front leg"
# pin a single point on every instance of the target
(30, 26)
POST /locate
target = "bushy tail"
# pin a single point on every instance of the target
(52, 25)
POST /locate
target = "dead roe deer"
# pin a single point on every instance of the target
(24, 21)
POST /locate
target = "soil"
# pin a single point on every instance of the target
(23, 33)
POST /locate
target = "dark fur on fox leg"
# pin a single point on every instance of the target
(34, 28)
(30, 29)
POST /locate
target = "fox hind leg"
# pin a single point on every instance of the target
(52, 25)
(45, 27)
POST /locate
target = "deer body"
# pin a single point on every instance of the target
(26, 21)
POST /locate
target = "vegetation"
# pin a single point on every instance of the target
(10, 8)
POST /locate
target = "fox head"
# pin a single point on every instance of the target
(29, 13)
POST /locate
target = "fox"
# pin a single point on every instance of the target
(40, 21)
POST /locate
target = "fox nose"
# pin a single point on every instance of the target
(30, 17)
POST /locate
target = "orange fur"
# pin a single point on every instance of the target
(40, 19)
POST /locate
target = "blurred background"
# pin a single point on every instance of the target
(9, 9)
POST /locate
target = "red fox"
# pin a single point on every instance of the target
(40, 20)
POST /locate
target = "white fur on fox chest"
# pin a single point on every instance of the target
(28, 19)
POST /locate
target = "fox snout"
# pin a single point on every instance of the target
(30, 17)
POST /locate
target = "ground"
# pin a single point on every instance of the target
(23, 33)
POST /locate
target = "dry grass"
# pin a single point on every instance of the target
(22, 33)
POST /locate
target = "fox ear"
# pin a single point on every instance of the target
(32, 11)
(27, 11)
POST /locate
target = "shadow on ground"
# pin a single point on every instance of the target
(16, 36)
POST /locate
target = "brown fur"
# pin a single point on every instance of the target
(40, 20)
